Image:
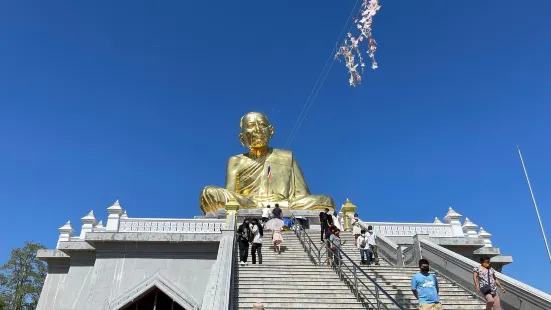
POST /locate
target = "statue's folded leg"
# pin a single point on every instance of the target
(213, 198)
(313, 202)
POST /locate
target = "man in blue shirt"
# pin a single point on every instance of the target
(424, 286)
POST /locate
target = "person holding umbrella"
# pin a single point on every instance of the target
(275, 225)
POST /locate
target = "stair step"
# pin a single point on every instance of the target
(338, 295)
(293, 305)
(290, 282)
(253, 287)
(312, 299)
(298, 283)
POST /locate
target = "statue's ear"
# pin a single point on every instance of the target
(242, 139)
(271, 129)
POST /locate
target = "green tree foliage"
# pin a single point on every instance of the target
(21, 278)
(3, 302)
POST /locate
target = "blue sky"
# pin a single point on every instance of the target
(141, 101)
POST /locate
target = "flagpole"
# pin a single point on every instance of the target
(535, 205)
(268, 181)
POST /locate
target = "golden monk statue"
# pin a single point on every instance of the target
(263, 175)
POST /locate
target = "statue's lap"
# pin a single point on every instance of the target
(216, 197)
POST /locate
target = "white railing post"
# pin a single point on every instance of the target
(484, 235)
(469, 229)
(65, 233)
(115, 212)
(99, 227)
(88, 223)
(453, 218)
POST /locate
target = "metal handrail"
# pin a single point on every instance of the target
(306, 241)
(389, 245)
(234, 275)
(471, 292)
(409, 256)
(354, 268)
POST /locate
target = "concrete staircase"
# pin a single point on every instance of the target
(290, 280)
(397, 282)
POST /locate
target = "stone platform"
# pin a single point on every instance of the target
(311, 216)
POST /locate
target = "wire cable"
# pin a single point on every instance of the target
(310, 101)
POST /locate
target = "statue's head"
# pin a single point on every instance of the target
(256, 130)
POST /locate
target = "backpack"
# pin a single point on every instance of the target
(363, 243)
(244, 234)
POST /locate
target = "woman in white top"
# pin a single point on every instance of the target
(337, 221)
(356, 228)
(258, 232)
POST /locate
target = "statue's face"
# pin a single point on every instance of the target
(256, 130)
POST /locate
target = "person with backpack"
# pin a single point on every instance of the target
(245, 236)
(363, 246)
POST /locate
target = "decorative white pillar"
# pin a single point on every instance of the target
(437, 221)
(124, 215)
(469, 229)
(453, 218)
(88, 223)
(115, 212)
(99, 227)
(484, 235)
(65, 233)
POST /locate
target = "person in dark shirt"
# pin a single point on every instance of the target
(245, 236)
(277, 212)
(325, 221)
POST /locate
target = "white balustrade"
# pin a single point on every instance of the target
(161, 225)
(411, 229)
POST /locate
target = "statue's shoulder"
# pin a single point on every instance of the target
(282, 157)
(236, 159)
(282, 153)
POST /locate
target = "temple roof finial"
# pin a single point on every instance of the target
(115, 208)
(452, 215)
(90, 216)
(67, 227)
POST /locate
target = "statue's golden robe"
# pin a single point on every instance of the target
(248, 183)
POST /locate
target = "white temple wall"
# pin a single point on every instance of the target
(93, 282)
